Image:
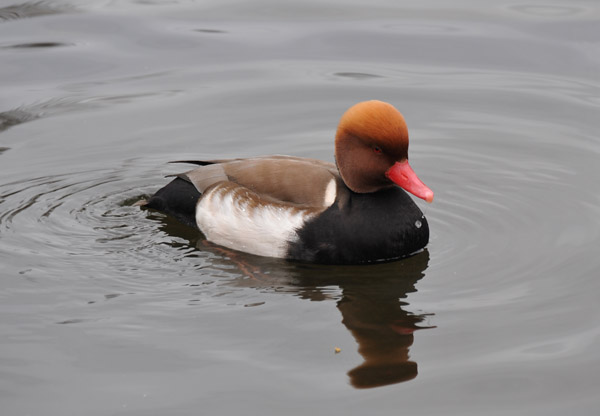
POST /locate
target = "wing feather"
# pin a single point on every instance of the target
(299, 181)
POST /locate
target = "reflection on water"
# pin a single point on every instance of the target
(371, 302)
(384, 330)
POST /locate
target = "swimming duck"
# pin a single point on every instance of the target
(306, 209)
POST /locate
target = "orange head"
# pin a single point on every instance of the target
(371, 150)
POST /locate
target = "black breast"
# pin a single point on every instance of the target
(364, 228)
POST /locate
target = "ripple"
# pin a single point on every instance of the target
(356, 75)
(422, 28)
(547, 11)
(15, 117)
(56, 106)
(213, 31)
(36, 45)
(75, 218)
(497, 225)
(32, 9)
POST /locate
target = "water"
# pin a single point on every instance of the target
(106, 309)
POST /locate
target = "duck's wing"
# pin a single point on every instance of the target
(298, 181)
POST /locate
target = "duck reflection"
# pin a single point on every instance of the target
(373, 309)
(384, 331)
(371, 302)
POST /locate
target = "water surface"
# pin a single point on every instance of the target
(107, 309)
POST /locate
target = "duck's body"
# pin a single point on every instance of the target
(306, 209)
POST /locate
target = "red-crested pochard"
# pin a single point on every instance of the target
(310, 210)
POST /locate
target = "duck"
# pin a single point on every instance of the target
(355, 211)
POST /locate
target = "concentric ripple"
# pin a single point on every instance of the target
(516, 206)
(81, 220)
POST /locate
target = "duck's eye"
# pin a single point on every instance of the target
(377, 149)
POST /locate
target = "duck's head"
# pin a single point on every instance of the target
(371, 150)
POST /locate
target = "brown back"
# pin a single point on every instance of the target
(298, 181)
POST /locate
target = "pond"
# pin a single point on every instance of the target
(109, 309)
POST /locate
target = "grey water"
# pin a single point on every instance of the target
(106, 309)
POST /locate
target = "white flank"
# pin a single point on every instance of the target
(225, 218)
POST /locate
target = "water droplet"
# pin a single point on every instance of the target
(418, 224)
